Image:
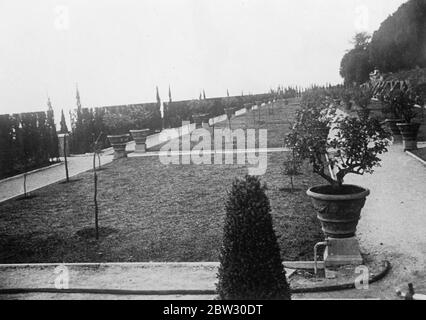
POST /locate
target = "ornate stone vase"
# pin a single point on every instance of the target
(409, 132)
(338, 211)
(140, 139)
(118, 143)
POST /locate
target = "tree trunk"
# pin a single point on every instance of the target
(66, 160)
(95, 180)
(25, 184)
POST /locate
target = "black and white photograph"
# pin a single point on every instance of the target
(211, 156)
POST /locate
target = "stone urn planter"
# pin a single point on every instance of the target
(201, 119)
(248, 106)
(391, 124)
(337, 205)
(409, 132)
(338, 212)
(118, 143)
(140, 139)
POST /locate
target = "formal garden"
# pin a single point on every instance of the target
(149, 211)
(140, 209)
(272, 195)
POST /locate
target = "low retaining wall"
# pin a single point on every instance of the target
(218, 119)
(241, 112)
(168, 134)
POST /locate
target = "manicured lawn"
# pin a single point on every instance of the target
(275, 118)
(153, 212)
(421, 153)
(150, 211)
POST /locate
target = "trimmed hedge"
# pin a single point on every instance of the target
(27, 141)
(176, 112)
(250, 261)
(87, 123)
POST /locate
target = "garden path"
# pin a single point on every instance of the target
(13, 187)
(393, 225)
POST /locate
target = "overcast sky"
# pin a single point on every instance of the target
(119, 50)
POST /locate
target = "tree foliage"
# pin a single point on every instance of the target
(400, 103)
(27, 141)
(400, 42)
(354, 148)
(355, 66)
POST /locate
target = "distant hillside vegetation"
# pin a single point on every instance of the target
(400, 42)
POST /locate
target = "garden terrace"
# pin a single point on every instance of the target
(155, 212)
(276, 118)
(149, 212)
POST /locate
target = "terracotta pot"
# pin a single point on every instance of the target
(338, 212)
(140, 139)
(409, 132)
(118, 143)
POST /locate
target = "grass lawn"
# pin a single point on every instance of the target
(421, 153)
(152, 212)
(275, 118)
(155, 212)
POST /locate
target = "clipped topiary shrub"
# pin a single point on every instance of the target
(250, 261)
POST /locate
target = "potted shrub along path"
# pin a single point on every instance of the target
(393, 115)
(403, 102)
(362, 99)
(354, 149)
(250, 261)
(139, 136)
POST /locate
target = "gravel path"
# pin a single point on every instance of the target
(393, 225)
(13, 187)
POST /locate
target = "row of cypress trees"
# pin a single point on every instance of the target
(27, 141)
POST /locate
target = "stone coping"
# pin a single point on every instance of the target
(159, 279)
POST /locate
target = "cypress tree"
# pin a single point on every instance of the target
(64, 127)
(53, 135)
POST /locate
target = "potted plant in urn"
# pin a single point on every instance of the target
(403, 102)
(346, 97)
(392, 114)
(139, 136)
(354, 149)
(362, 99)
(116, 123)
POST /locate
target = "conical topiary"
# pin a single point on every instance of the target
(250, 261)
